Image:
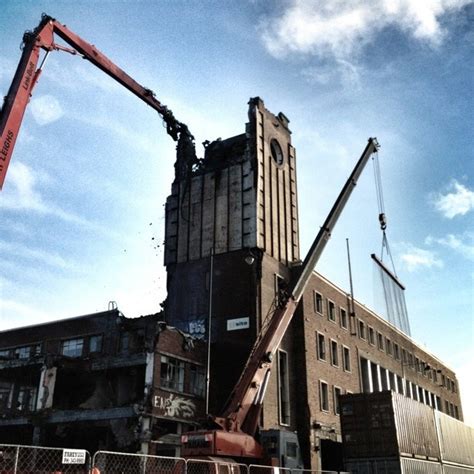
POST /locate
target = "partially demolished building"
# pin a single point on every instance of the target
(100, 381)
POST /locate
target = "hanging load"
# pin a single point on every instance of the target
(389, 291)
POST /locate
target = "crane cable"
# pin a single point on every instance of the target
(381, 206)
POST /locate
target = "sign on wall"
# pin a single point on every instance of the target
(239, 323)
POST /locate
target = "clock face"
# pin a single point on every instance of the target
(276, 151)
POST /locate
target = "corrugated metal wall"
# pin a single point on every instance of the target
(416, 428)
(417, 466)
(448, 469)
(456, 440)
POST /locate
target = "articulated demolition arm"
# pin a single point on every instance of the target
(28, 72)
(243, 409)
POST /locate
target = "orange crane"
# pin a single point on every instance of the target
(29, 70)
(234, 434)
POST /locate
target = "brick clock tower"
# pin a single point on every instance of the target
(232, 226)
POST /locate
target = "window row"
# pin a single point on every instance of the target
(181, 376)
(376, 378)
(23, 352)
(331, 310)
(322, 348)
(19, 397)
(324, 397)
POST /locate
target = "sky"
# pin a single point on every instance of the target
(82, 207)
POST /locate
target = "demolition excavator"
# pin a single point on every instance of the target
(235, 434)
(42, 40)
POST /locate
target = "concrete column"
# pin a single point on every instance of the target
(46, 388)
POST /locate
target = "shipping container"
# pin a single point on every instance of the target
(451, 469)
(456, 440)
(386, 424)
(392, 465)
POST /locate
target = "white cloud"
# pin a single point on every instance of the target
(23, 194)
(46, 109)
(415, 258)
(459, 200)
(463, 244)
(42, 256)
(340, 28)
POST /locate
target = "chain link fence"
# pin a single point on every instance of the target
(15, 459)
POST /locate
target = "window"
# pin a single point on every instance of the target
(321, 343)
(283, 388)
(420, 395)
(5, 389)
(453, 387)
(197, 380)
(410, 361)
(280, 290)
(380, 341)
(456, 412)
(26, 398)
(331, 311)
(95, 344)
(446, 407)
(371, 336)
(388, 346)
(72, 347)
(417, 365)
(22, 352)
(362, 329)
(324, 396)
(404, 356)
(337, 394)
(343, 318)
(334, 354)
(439, 407)
(399, 385)
(318, 302)
(172, 373)
(396, 351)
(124, 343)
(346, 359)
(414, 392)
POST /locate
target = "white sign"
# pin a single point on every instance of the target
(240, 323)
(74, 456)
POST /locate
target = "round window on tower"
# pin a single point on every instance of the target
(276, 151)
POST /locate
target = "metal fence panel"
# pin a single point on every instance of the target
(17, 459)
(254, 469)
(214, 466)
(108, 462)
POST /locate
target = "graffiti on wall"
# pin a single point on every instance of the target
(174, 406)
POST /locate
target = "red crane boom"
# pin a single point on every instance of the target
(28, 73)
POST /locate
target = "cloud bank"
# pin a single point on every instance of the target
(415, 258)
(338, 28)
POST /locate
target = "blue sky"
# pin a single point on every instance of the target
(82, 207)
